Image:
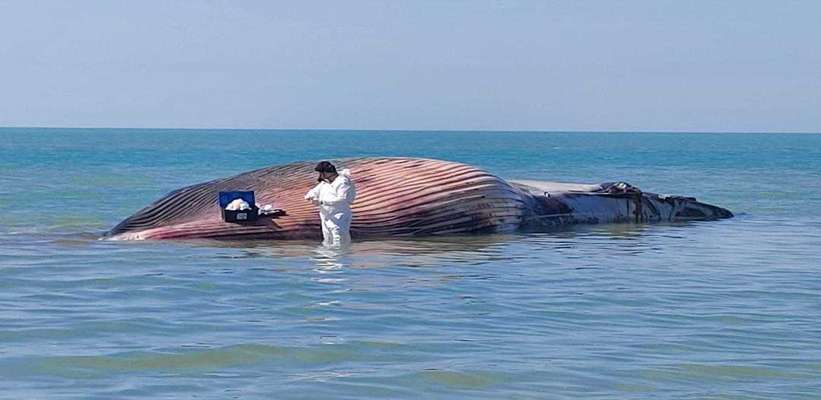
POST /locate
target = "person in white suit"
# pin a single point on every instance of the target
(334, 195)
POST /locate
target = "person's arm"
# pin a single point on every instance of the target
(344, 194)
(313, 194)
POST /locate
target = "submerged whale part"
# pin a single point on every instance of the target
(403, 197)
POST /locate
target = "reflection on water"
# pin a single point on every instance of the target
(416, 249)
(331, 258)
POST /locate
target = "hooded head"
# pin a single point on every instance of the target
(327, 171)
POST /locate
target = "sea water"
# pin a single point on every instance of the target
(726, 309)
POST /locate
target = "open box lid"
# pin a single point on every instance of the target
(227, 197)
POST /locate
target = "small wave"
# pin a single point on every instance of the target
(461, 379)
(198, 359)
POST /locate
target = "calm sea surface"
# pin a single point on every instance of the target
(720, 310)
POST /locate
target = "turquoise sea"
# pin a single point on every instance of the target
(710, 310)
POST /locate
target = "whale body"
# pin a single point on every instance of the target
(405, 197)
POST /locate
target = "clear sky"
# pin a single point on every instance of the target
(491, 65)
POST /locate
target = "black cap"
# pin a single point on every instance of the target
(325, 166)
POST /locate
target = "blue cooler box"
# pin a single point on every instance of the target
(238, 216)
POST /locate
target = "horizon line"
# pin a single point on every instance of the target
(372, 130)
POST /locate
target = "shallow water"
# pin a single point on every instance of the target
(726, 309)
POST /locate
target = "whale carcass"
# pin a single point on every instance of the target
(402, 197)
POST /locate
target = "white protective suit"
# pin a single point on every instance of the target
(335, 200)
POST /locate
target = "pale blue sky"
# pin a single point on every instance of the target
(490, 65)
